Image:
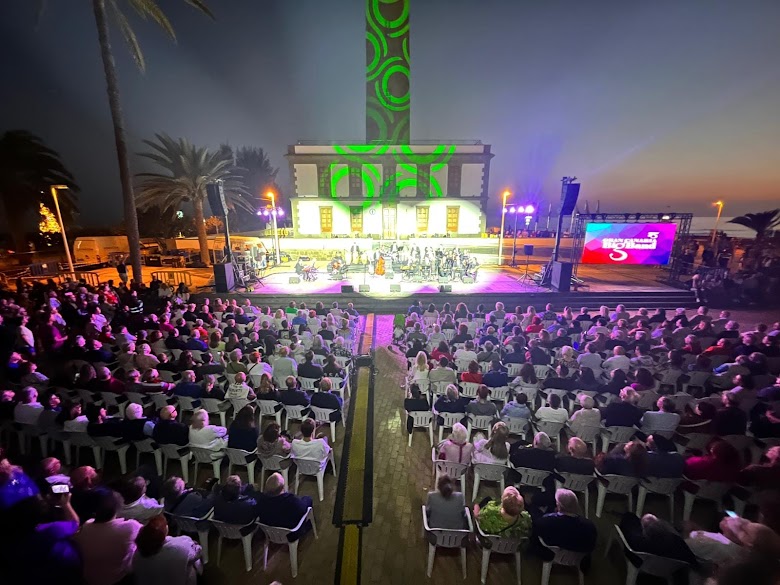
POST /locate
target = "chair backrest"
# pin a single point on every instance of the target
(308, 466)
(277, 534)
(481, 422)
(294, 411)
(620, 434)
(588, 433)
(698, 379)
(712, 490)
(145, 446)
(321, 414)
(575, 481)
(469, 389)
(652, 564)
(454, 470)
(463, 366)
(421, 418)
(542, 371)
(530, 392)
(450, 418)
(186, 403)
(681, 400)
(484, 366)
(188, 524)
(499, 393)
(308, 383)
(662, 485)
(490, 471)
(553, 429)
(108, 443)
(647, 399)
(342, 361)
(229, 531)
(211, 405)
(202, 455)
(516, 426)
(272, 463)
(447, 538)
(439, 388)
(80, 439)
(532, 477)
(266, 407)
(697, 441)
(621, 484)
(171, 451)
(564, 557)
(513, 370)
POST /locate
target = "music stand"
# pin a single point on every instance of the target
(526, 277)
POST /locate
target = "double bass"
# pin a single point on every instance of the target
(379, 269)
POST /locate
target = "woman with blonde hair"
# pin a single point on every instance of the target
(528, 316)
(318, 346)
(568, 358)
(206, 436)
(492, 450)
(419, 369)
(457, 447)
(279, 316)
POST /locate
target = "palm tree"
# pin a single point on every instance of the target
(188, 170)
(761, 222)
(145, 9)
(28, 168)
(258, 175)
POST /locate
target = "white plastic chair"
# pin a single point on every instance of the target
(294, 413)
(323, 415)
(279, 535)
(448, 419)
(469, 389)
(233, 532)
(265, 408)
(148, 446)
(186, 404)
(563, 557)
(501, 545)
(451, 468)
(207, 456)
(590, 434)
(181, 454)
(578, 484)
(199, 526)
(421, 419)
(242, 458)
(616, 435)
(615, 484)
(113, 444)
(480, 423)
(488, 472)
(308, 383)
(80, 440)
(542, 372)
(215, 406)
(25, 434)
(447, 538)
(714, 491)
(316, 468)
(274, 464)
(649, 564)
(516, 426)
(501, 393)
(553, 430)
(661, 486)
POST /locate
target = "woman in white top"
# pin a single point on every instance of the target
(419, 369)
(431, 312)
(587, 416)
(553, 412)
(279, 316)
(144, 360)
(204, 435)
(165, 560)
(29, 410)
(529, 315)
(436, 337)
(75, 421)
(492, 450)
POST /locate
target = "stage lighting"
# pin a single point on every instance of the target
(281, 211)
(666, 217)
(512, 209)
(259, 212)
(529, 208)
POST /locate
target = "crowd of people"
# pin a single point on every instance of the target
(122, 364)
(693, 399)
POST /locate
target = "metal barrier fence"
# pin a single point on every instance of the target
(174, 277)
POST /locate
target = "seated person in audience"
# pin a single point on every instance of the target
(442, 372)
(586, 416)
(291, 396)
(31, 376)
(580, 533)
(169, 431)
(239, 390)
(278, 507)
(462, 336)
(765, 475)
(84, 481)
(663, 460)
(457, 447)
(507, 518)
(536, 355)
(414, 402)
(331, 368)
(618, 361)
(643, 381)
(489, 353)
(159, 556)
(576, 459)
(720, 462)
(623, 413)
(235, 504)
(652, 535)
(235, 365)
(663, 421)
(481, 405)
(517, 407)
(72, 419)
(764, 424)
(466, 354)
(446, 507)
(195, 343)
(535, 326)
(562, 338)
(101, 425)
(540, 455)
(490, 336)
(552, 412)
(325, 398)
(587, 381)
(562, 380)
(697, 419)
(451, 401)
(152, 383)
(135, 426)
(730, 419)
(28, 410)
(340, 348)
(308, 369)
(309, 447)
(624, 459)
(187, 386)
(516, 356)
(206, 436)
(617, 381)
(473, 375)
(526, 378)
(211, 389)
(442, 351)
(417, 334)
(590, 358)
(174, 341)
(493, 450)
(183, 501)
(107, 542)
(415, 348)
(496, 377)
(284, 366)
(243, 433)
(137, 505)
(273, 443)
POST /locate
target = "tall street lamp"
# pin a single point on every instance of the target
(717, 219)
(274, 211)
(506, 195)
(54, 189)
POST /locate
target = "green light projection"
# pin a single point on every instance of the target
(387, 71)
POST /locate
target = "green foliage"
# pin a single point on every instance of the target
(761, 222)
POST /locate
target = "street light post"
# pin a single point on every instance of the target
(277, 249)
(54, 189)
(717, 219)
(506, 194)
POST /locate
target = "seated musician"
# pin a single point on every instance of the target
(299, 267)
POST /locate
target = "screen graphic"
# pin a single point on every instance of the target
(628, 243)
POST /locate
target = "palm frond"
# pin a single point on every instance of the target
(128, 34)
(760, 222)
(201, 6)
(150, 8)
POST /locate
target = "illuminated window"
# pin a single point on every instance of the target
(453, 216)
(355, 182)
(326, 220)
(356, 219)
(422, 218)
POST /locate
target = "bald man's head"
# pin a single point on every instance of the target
(274, 485)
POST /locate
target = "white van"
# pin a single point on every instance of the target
(99, 250)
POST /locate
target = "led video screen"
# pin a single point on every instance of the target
(628, 243)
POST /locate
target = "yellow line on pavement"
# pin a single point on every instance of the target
(356, 464)
(350, 556)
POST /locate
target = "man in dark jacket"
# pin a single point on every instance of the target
(324, 398)
(278, 507)
(576, 459)
(415, 403)
(195, 343)
(308, 369)
(168, 431)
(183, 501)
(235, 504)
(188, 387)
(623, 413)
(291, 396)
(731, 419)
(100, 424)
